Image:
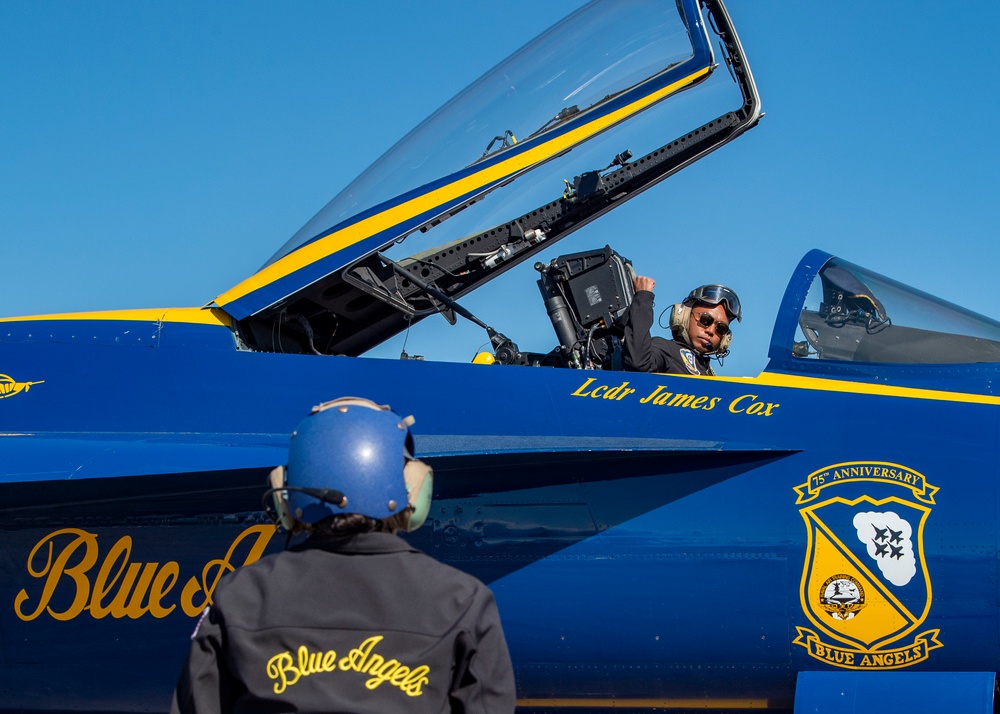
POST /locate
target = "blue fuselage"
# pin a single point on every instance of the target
(648, 537)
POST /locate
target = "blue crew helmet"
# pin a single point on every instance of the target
(351, 455)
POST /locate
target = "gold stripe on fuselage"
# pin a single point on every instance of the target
(831, 384)
(191, 315)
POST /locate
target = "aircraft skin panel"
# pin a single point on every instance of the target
(567, 526)
(398, 217)
(185, 377)
(119, 333)
(649, 583)
(62, 456)
(175, 328)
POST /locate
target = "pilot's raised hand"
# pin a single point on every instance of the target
(641, 282)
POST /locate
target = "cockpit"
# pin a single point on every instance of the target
(853, 314)
(606, 104)
(838, 318)
(609, 102)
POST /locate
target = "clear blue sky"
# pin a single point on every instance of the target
(155, 154)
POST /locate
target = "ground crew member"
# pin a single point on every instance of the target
(353, 619)
(699, 324)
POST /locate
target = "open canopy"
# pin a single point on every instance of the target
(337, 288)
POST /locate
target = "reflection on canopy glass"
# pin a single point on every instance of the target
(857, 315)
(589, 58)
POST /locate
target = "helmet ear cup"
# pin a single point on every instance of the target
(679, 315)
(725, 342)
(419, 479)
(278, 478)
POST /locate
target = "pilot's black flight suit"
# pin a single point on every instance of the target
(644, 353)
(360, 623)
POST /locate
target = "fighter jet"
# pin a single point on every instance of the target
(627, 522)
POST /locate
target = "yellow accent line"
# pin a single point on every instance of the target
(372, 225)
(647, 703)
(830, 384)
(191, 315)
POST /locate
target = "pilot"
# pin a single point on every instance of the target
(354, 618)
(700, 327)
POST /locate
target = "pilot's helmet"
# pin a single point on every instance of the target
(351, 455)
(706, 295)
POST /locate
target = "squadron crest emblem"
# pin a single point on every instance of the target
(865, 586)
(687, 356)
(842, 597)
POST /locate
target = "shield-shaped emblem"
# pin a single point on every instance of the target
(865, 584)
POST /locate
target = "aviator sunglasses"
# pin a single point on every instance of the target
(706, 320)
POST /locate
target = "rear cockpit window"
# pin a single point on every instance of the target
(852, 314)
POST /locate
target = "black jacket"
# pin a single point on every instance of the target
(643, 353)
(356, 624)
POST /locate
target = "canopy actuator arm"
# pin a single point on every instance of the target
(505, 350)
